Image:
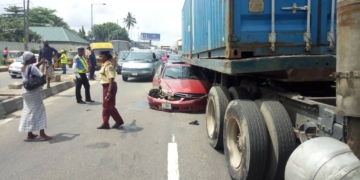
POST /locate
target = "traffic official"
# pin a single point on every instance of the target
(80, 68)
(63, 61)
(107, 76)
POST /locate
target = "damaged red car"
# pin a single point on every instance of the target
(179, 87)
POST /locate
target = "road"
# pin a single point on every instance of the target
(5, 78)
(139, 150)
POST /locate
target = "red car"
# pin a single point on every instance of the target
(179, 87)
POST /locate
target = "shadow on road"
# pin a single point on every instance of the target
(138, 80)
(132, 128)
(62, 137)
(95, 103)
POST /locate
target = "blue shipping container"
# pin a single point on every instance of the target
(257, 28)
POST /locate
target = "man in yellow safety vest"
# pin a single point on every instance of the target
(80, 69)
(63, 61)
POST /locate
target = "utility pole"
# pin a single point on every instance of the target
(24, 24)
(27, 27)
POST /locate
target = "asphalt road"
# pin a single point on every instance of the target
(5, 78)
(139, 150)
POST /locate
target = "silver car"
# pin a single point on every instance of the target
(141, 63)
(15, 67)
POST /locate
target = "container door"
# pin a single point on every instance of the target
(278, 27)
(187, 27)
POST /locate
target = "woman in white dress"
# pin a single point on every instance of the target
(33, 117)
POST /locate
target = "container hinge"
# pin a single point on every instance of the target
(295, 7)
(331, 38)
(307, 41)
(233, 38)
(272, 40)
(346, 74)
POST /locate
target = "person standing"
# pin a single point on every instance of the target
(48, 53)
(5, 55)
(107, 76)
(92, 60)
(33, 117)
(63, 61)
(80, 68)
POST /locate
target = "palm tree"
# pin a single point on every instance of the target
(129, 21)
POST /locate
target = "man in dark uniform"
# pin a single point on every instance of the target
(92, 60)
(80, 69)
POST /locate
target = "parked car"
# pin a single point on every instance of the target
(179, 87)
(174, 58)
(121, 59)
(141, 63)
(15, 67)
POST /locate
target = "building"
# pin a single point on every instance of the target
(59, 37)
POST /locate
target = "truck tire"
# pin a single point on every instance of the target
(281, 137)
(245, 140)
(124, 78)
(218, 99)
(239, 93)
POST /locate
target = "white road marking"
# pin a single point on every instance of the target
(173, 162)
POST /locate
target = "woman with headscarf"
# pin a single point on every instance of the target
(33, 117)
(107, 76)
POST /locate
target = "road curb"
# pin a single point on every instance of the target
(3, 69)
(11, 105)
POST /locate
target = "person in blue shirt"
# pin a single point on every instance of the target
(92, 60)
(48, 53)
(80, 69)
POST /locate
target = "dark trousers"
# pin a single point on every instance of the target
(92, 71)
(83, 82)
(63, 67)
(109, 108)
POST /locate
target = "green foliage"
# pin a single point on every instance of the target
(35, 50)
(82, 33)
(12, 23)
(108, 31)
(129, 21)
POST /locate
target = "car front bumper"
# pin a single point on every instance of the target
(14, 72)
(136, 73)
(182, 105)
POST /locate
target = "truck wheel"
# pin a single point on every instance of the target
(239, 93)
(218, 99)
(124, 78)
(281, 136)
(245, 140)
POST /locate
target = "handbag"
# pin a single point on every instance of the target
(32, 81)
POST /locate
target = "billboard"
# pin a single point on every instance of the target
(150, 36)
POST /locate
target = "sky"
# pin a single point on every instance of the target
(153, 16)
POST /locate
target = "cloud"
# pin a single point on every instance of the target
(155, 16)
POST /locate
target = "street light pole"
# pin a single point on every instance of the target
(92, 19)
(27, 27)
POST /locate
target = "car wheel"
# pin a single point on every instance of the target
(217, 102)
(13, 76)
(125, 78)
(281, 136)
(245, 140)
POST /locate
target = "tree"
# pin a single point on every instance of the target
(45, 17)
(12, 29)
(13, 11)
(81, 33)
(108, 31)
(129, 21)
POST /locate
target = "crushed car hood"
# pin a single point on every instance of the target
(185, 86)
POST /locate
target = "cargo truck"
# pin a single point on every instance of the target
(282, 106)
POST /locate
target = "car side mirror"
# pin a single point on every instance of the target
(168, 56)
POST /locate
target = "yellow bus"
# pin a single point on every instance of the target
(103, 46)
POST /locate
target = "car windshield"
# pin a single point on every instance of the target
(174, 57)
(20, 59)
(123, 55)
(14, 54)
(71, 54)
(162, 53)
(183, 72)
(139, 56)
